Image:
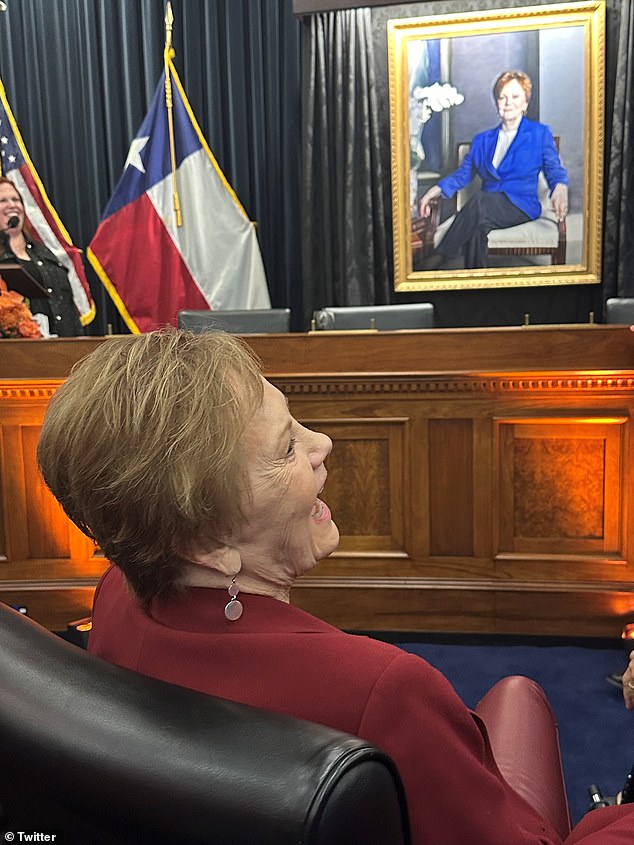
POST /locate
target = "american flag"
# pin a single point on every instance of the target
(16, 164)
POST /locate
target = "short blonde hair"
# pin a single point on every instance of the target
(141, 447)
(510, 75)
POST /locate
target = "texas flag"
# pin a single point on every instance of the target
(16, 165)
(174, 235)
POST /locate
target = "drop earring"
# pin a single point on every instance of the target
(233, 608)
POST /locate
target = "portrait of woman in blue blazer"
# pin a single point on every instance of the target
(508, 159)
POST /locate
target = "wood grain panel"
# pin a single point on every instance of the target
(14, 500)
(47, 524)
(367, 482)
(52, 608)
(451, 487)
(572, 613)
(469, 607)
(4, 552)
(386, 609)
(360, 486)
(560, 485)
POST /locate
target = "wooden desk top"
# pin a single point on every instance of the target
(530, 348)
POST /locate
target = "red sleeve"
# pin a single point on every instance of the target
(455, 792)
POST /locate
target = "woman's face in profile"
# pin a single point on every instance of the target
(288, 528)
(512, 102)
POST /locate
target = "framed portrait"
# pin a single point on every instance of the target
(496, 122)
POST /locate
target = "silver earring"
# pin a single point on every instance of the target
(233, 608)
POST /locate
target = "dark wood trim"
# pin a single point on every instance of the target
(536, 349)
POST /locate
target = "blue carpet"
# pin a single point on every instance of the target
(597, 732)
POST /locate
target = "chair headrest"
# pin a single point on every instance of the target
(620, 310)
(248, 321)
(382, 317)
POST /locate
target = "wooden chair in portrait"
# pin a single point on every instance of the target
(544, 236)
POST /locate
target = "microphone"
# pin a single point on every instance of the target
(12, 223)
(597, 799)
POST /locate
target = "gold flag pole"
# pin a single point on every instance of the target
(167, 56)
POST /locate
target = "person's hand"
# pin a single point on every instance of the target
(628, 683)
(424, 209)
(559, 200)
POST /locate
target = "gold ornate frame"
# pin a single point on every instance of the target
(537, 24)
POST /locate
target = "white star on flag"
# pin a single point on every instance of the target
(134, 154)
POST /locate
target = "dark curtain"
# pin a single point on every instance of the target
(618, 242)
(327, 234)
(79, 75)
(345, 187)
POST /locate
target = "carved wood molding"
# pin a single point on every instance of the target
(26, 391)
(466, 585)
(54, 584)
(424, 384)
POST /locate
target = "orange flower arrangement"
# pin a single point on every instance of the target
(15, 318)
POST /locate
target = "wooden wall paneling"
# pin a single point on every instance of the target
(52, 607)
(398, 605)
(46, 565)
(48, 526)
(604, 350)
(574, 610)
(627, 485)
(560, 486)
(484, 502)
(22, 405)
(420, 502)
(502, 354)
(368, 481)
(4, 552)
(451, 486)
(402, 432)
(15, 509)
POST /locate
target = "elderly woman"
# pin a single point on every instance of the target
(508, 159)
(189, 470)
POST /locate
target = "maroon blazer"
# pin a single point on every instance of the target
(280, 658)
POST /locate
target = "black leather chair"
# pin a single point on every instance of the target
(250, 321)
(381, 317)
(109, 756)
(620, 310)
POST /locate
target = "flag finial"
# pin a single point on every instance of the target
(169, 22)
(169, 105)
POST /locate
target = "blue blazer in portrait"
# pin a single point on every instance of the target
(531, 151)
